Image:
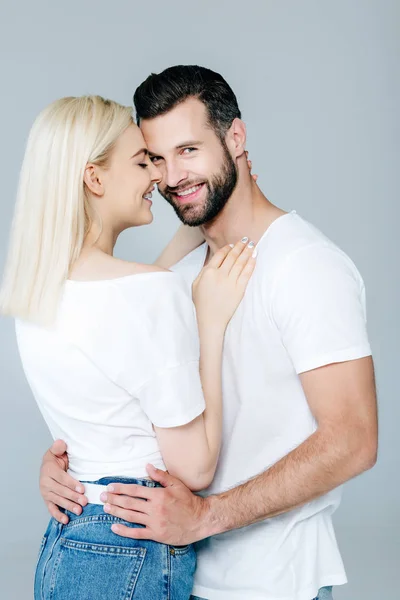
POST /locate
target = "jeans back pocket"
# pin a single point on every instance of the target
(87, 570)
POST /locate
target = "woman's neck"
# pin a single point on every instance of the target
(100, 239)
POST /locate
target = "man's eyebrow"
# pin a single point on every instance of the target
(189, 143)
(141, 151)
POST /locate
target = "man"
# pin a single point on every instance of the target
(298, 383)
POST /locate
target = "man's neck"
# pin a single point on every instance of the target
(247, 213)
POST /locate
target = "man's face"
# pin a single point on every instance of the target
(198, 172)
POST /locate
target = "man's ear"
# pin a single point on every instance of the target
(236, 137)
(92, 178)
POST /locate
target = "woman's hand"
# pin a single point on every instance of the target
(220, 286)
(250, 165)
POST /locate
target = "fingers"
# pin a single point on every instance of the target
(127, 515)
(247, 257)
(250, 165)
(58, 448)
(219, 257)
(126, 502)
(63, 491)
(234, 255)
(131, 489)
(247, 271)
(56, 513)
(53, 471)
(161, 476)
(136, 533)
(64, 503)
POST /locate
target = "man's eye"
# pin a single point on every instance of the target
(155, 158)
(188, 150)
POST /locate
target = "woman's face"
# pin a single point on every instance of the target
(128, 181)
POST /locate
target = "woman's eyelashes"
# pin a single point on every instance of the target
(143, 165)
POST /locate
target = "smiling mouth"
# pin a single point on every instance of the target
(190, 193)
(148, 195)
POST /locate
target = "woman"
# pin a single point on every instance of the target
(109, 347)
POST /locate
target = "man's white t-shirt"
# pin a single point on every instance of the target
(123, 355)
(304, 308)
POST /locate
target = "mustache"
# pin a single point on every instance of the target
(180, 188)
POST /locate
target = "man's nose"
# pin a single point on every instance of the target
(175, 174)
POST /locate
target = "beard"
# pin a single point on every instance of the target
(219, 189)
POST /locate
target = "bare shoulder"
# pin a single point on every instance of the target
(125, 267)
(100, 266)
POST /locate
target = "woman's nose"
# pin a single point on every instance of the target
(155, 173)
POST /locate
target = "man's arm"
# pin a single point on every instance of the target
(317, 305)
(343, 401)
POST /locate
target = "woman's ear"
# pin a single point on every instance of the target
(92, 179)
(236, 137)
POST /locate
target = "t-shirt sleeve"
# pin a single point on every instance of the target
(170, 390)
(318, 306)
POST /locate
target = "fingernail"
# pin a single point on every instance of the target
(64, 520)
(114, 528)
(231, 245)
(245, 240)
(103, 497)
(255, 253)
(110, 488)
(251, 245)
(107, 508)
(77, 511)
(79, 489)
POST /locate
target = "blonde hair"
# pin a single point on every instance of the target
(51, 215)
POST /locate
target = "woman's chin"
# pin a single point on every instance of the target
(144, 218)
(147, 218)
(150, 217)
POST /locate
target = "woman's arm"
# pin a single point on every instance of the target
(184, 241)
(190, 452)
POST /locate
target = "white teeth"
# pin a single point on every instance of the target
(148, 196)
(189, 191)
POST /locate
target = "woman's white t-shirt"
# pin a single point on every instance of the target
(123, 355)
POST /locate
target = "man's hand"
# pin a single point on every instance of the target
(171, 514)
(57, 487)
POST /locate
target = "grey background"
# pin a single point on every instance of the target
(318, 85)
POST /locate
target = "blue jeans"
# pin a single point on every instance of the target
(323, 594)
(85, 560)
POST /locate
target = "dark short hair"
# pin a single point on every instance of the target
(161, 92)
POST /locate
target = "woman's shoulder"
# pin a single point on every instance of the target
(136, 275)
(123, 286)
(102, 267)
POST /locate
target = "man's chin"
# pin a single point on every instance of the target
(191, 220)
(190, 215)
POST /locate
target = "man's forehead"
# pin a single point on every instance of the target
(187, 121)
